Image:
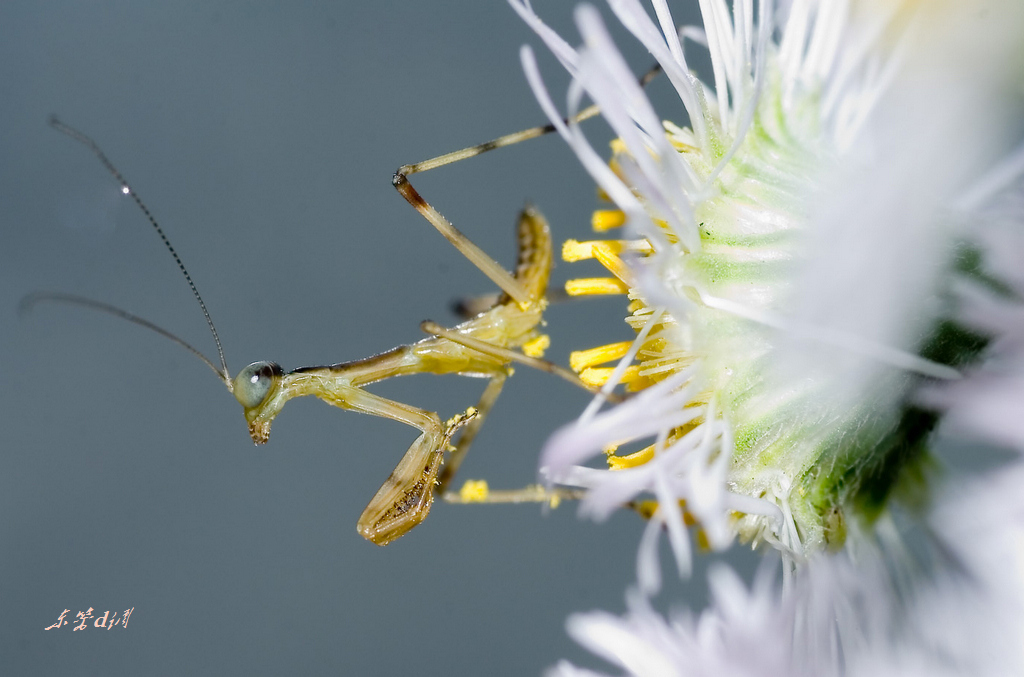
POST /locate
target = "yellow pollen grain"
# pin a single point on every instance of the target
(535, 347)
(632, 460)
(581, 359)
(474, 491)
(604, 220)
(592, 286)
(598, 376)
(470, 413)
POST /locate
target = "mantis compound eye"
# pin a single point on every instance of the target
(254, 383)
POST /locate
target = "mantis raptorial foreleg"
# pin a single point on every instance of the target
(468, 434)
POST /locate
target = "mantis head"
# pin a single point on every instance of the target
(257, 388)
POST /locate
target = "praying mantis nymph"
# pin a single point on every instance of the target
(483, 346)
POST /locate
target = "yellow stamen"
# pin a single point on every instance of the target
(598, 376)
(607, 258)
(604, 220)
(646, 510)
(535, 347)
(591, 286)
(666, 232)
(581, 359)
(632, 460)
(574, 250)
(682, 147)
(653, 347)
(474, 491)
(639, 384)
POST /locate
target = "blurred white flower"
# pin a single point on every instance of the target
(823, 259)
(870, 611)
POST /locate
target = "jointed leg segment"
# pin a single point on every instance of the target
(484, 345)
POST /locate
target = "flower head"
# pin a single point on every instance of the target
(822, 262)
(793, 260)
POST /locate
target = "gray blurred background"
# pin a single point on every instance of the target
(263, 137)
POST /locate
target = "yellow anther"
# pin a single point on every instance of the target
(639, 383)
(666, 232)
(574, 250)
(581, 359)
(604, 220)
(598, 376)
(646, 509)
(653, 346)
(590, 286)
(474, 491)
(608, 258)
(643, 247)
(535, 347)
(682, 147)
(632, 460)
(554, 501)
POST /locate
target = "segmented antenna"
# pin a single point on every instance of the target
(128, 190)
(30, 301)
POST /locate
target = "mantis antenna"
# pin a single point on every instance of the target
(126, 188)
(30, 301)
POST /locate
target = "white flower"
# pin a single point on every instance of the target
(792, 285)
(868, 612)
(824, 261)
